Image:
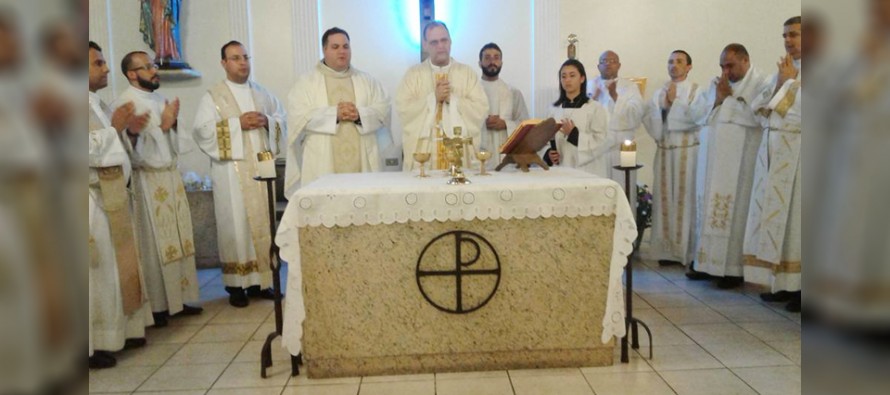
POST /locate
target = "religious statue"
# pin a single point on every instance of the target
(159, 24)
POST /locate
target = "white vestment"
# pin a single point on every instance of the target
(42, 254)
(417, 107)
(506, 102)
(676, 133)
(592, 122)
(625, 116)
(847, 183)
(163, 218)
(313, 124)
(727, 153)
(773, 235)
(223, 140)
(109, 327)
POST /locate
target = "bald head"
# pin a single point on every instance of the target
(609, 64)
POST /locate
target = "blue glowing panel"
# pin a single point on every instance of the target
(408, 11)
(445, 9)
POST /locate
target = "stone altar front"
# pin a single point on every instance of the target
(532, 281)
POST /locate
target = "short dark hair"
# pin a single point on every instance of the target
(222, 51)
(127, 61)
(432, 25)
(95, 46)
(794, 20)
(330, 32)
(489, 46)
(739, 50)
(688, 58)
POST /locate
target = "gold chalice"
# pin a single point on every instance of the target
(483, 155)
(422, 154)
(422, 157)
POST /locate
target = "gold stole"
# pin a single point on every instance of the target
(347, 142)
(254, 193)
(441, 157)
(169, 213)
(116, 204)
(785, 104)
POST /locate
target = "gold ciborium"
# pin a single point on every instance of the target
(455, 150)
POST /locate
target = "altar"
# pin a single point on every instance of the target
(394, 274)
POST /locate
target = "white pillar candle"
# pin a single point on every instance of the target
(628, 154)
(266, 165)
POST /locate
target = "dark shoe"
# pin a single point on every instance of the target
(102, 360)
(136, 342)
(694, 275)
(781, 296)
(237, 297)
(255, 292)
(730, 282)
(160, 319)
(190, 310)
(665, 262)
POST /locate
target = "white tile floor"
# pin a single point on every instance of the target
(707, 341)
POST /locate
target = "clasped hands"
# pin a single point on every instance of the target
(494, 122)
(787, 71)
(443, 91)
(253, 120)
(347, 111)
(724, 90)
(670, 94)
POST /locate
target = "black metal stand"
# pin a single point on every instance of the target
(631, 323)
(275, 263)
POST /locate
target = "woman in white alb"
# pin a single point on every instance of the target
(581, 141)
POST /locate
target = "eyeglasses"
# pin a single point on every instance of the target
(147, 67)
(238, 58)
(609, 61)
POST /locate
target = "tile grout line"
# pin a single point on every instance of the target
(229, 365)
(744, 381)
(713, 356)
(512, 387)
(586, 381)
(187, 341)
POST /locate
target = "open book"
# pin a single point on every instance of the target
(522, 140)
(524, 143)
